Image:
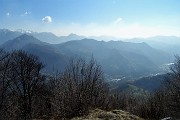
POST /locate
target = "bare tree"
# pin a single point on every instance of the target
(25, 77)
(173, 88)
(79, 88)
(4, 82)
(165, 101)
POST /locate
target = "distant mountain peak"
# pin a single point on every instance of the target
(6, 30)
(27, 38)
(24, 31)
(21, 41)
(72, 34)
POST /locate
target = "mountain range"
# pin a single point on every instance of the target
(118, 58)
(6, 34)
(168, 44)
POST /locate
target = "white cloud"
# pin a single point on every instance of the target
(47, 19)
(26, 13)
(7, 14)
(118, 20)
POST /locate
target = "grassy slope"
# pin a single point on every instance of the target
(98, 114)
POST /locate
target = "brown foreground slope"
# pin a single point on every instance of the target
(98, 114)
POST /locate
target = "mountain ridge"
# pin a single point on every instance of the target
(117, 58)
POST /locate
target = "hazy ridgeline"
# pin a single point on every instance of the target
(118, 59)
(27, 93)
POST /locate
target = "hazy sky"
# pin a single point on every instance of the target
(119, 18)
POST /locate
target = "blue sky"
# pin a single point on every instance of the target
(119, 18)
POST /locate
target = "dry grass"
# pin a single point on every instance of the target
(98, 114)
